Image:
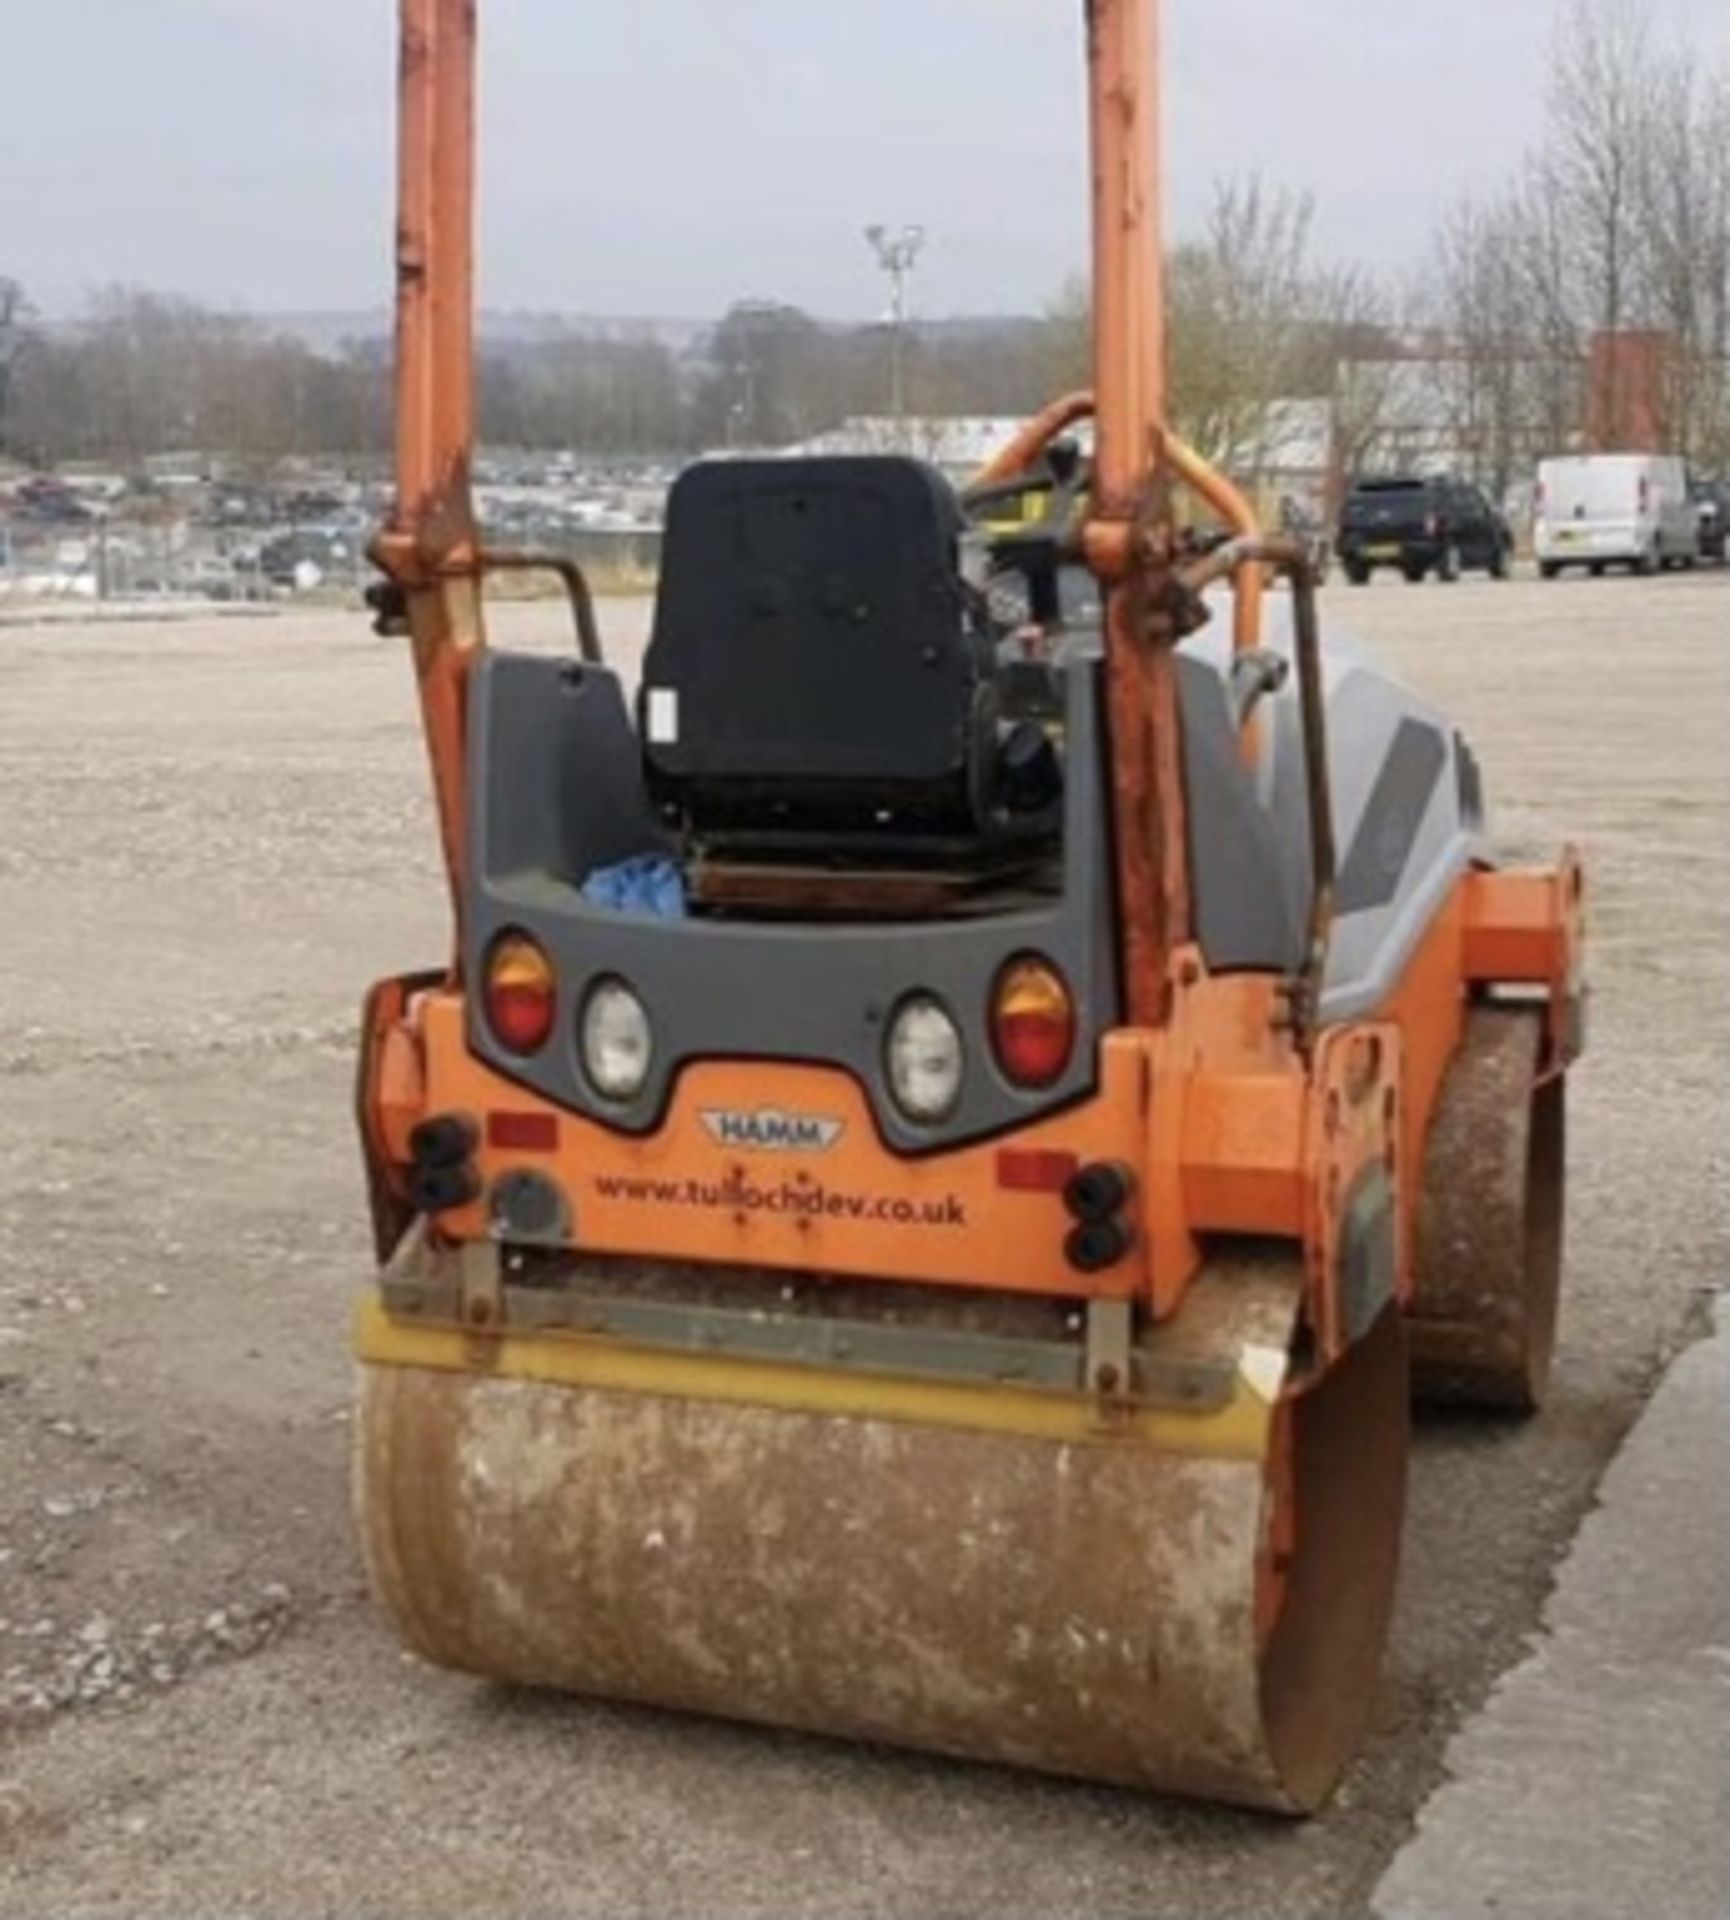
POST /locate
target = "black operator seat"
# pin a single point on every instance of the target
(817, 664)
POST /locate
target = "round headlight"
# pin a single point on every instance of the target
(924, 1058)
(617, 1044)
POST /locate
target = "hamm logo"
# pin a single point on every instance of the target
(772, 1130)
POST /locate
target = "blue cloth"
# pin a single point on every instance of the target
(646, 883)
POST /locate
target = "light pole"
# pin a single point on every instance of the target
(896, 252)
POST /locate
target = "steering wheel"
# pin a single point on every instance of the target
(1038, 549)
(1061, 472)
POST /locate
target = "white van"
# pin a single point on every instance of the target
(1614, 509)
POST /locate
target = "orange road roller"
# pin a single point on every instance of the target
(964, 1104)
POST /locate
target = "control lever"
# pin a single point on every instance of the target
(1255, 672)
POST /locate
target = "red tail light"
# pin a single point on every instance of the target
(1032, 1022)
(519, 993)
(1538, 498)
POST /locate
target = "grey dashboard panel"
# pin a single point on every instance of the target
(556, 789)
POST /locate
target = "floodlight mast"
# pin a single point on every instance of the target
(897, 254)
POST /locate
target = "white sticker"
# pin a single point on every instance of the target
(1264, 1369)
(663, 716)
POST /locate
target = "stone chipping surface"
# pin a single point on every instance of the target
(215, 833)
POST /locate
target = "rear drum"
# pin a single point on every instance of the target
(1489, 1254)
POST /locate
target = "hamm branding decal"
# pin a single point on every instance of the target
(773, 1131)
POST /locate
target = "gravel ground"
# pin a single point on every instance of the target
(216, 833)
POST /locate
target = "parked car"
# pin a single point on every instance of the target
(1598, 510)
(1712, 516)
(49, 500)
(1422, 526)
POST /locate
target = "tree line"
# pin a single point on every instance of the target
(142, 372)
(1619, 218)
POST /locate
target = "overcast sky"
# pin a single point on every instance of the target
(668, 156)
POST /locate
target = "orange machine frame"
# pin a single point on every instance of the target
(1257, 1127)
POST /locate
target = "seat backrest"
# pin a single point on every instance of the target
(811, 626)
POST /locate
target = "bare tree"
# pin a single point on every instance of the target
(1263, 342)
(1239, 299)
(1480, 290)
(1352, 357)
(1068, 355)
(1620, 219)
(1684, 210)
(1596, 156)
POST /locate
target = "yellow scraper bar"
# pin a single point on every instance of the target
(1237, 1430)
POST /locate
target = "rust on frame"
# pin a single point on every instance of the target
(429, 548)
(1129, 533)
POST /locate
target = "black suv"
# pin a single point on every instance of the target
(1712, 505)
(1421, 526)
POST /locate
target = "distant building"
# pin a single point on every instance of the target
(1628, 376)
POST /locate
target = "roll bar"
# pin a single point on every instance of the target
(432, 555)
